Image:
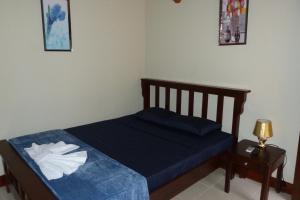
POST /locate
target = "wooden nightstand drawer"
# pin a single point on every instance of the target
(245, 164)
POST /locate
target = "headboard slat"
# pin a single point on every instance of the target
(167, 98)
(239, 96)
(157, 96)
(191, 103)
(220, 109)
(204, 105)
(178, 101)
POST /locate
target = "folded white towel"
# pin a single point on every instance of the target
(38, 151)
(53, 161)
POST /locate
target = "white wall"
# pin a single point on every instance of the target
(98, 80)
(181, 44)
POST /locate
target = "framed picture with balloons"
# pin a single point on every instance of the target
(56, 25)
(233, 22)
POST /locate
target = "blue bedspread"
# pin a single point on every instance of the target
(100, 177)
(158, 153)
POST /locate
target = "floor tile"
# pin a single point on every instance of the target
(215, 194)
(193, 192)
(213, 178)
(4, 195)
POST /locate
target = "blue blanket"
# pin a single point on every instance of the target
(100, 177)
(159, 153)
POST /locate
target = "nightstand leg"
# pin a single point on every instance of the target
(228, 176)
(265, 184)
(279, 178)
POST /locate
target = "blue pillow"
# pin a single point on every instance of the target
(195, 125)
(156, 115)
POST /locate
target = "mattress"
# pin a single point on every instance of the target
(158, 153)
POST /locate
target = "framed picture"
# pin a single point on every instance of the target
(233, 22)
(56, 25)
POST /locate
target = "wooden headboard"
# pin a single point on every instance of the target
(239, 96)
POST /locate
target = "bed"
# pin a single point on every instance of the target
(174, 160)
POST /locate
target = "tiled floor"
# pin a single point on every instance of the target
(4, 195)
(211, 188)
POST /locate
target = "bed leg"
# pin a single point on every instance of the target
(21, 192)
(6, 179)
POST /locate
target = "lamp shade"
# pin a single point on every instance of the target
(263, 129)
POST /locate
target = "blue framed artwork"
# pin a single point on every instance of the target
(56, 25)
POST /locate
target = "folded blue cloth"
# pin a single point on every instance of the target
(101, 177)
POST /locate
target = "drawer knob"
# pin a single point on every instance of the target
(245, 163)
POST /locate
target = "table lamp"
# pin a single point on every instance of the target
(177, 1)
(263, 130)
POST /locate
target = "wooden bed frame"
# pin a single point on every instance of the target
(296, 186)
(27, 185)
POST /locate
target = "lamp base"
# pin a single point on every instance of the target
(261, 143)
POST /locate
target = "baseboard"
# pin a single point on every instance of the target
(2, 181)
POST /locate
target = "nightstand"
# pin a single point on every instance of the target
(264, 162)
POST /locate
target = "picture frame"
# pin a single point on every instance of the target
(56, 21)
(233, 22)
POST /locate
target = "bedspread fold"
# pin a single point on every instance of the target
(101, 177)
